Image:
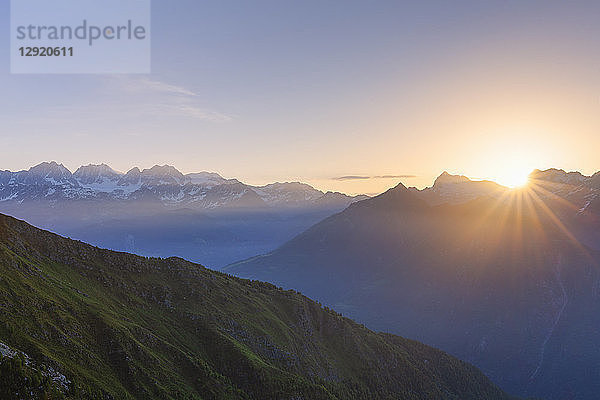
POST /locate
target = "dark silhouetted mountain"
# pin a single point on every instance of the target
(509, 281)
(455, 189)
(78, 322)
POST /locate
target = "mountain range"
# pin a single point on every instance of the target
(165, 185)
(79, 322)
(508, 280)
(202, 216)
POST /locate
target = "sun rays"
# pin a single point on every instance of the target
(534, 212)
(534, 220)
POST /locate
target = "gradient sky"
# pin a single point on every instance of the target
(313, 90)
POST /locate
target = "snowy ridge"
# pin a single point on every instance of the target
(52, 182)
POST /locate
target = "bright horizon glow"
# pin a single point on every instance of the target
(513, 175)
(311, 91)
(516, 177)
(514, 181)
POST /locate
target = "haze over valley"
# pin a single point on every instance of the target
(161, 212)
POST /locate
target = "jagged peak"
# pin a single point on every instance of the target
(51, 168)
(399, 186)
(547, 172)
(206, 178)
(446, 178)
(133, 171)
(163, 170)
(290, 185)
(396, 191)
(397, 198)
(95, 169)
(558, 176)
(204, 174)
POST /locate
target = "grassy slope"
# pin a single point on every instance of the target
(124, 326)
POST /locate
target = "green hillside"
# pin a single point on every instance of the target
(122, 326)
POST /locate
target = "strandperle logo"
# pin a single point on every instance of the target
(80, 36)
(85, 31)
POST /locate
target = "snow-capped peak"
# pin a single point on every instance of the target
(206, 179)
(163, 185)
(162, 174)
(288, 192)
(95, 174)
(50, 170)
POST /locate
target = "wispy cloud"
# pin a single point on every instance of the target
(394, 176)
(350, 178)
(158, 86)
(360, 177)
(193, 112)
(160, 98)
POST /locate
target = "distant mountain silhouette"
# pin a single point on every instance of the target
(507, 280)
(456, 189)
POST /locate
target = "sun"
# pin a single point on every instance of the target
(513, 177)
(511, 161)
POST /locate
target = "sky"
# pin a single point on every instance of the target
(353, 96)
